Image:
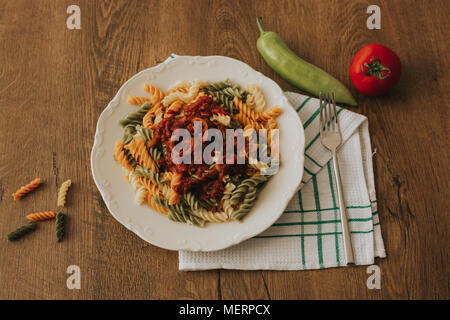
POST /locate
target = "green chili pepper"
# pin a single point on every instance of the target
(296, 70)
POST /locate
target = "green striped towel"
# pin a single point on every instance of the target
(308, 234)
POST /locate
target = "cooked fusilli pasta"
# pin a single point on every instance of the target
(147, 120)
(224, 99)
(135, 118)
(121, 156)
(245, 120)
(151, 202)
(223, 119)
(270, 114)
(174, 108)
(246, 205)
(245, 186)
(185, 97)
(255, 98)
(155, 92)
(243, 108)
(144, 133)
(194, 193)
(227, 207)
(182, 85)
(138, 150)
(154, 177)
(137, 100)
(208, 215)
(174, 183)
(141, 191)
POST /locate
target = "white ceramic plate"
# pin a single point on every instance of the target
(154, 227)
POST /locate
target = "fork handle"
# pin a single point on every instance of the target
(348, 249)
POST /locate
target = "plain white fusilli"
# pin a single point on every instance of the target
(62, 193)
(222, 118)
(141, 191)
(255, 98)
(185, 97)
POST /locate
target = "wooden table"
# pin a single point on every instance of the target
(55, 82)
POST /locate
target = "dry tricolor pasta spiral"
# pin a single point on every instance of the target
(26, 189)
(37, 216)
(62, 193)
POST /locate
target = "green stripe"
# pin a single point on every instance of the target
(376, 224)
(336, 239)
(312, 235)
(303, 104)
(282, 224)
(293, 211)
(308, 172)
(284, 90)
(311, 119)
(374, 201)
(317, 136)
(312, 141)
(314, 161)
(172, 56)
(359, 219)
(374, 213)
(328, 209)
(358, 207)
(319, 216)
(302, 230)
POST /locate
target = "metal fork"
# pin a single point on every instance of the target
(330, 135)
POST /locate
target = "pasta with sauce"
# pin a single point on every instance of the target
(197, 192)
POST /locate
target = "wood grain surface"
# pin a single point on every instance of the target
(55, 82)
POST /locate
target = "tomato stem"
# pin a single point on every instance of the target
(375, 68)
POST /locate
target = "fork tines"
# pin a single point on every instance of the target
(328, 115)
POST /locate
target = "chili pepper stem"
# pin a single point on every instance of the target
(258, 22)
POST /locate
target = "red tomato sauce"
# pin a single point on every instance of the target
(204, 180)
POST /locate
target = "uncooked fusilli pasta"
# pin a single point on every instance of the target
(62, 193)
(60, 226)
(22, 231)
(26, 189)
(38, 216)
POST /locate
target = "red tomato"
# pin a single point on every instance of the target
(375, 69)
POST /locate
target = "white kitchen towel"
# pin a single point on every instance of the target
(308, 235)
